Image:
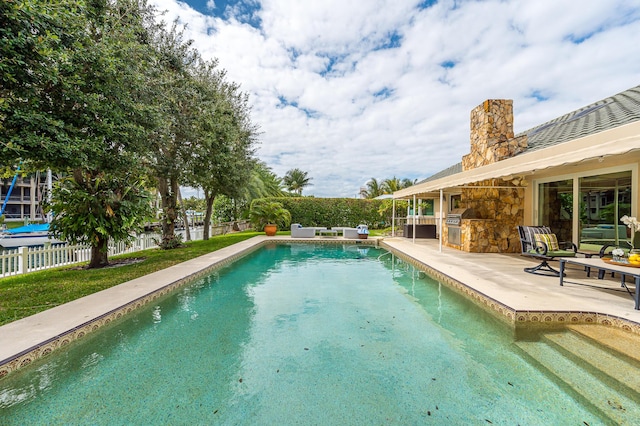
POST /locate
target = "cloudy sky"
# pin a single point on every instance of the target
(348, 90)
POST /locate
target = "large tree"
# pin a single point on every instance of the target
(39, 40)
(82, 109)
(178, 102)
(100, 90)
(221, 161)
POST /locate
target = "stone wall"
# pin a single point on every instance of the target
(503, 206)
(500, 209)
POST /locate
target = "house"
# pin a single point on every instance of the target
(22, 200)
(574, 173)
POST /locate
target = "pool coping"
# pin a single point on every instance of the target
(57, 327)
(457, 279)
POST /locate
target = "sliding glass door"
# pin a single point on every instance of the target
(591, 205)
(604, 199)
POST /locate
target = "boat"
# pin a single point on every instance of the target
(36, 234)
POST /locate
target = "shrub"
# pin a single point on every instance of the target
(310, 211)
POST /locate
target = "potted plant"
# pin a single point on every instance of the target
(267, 215)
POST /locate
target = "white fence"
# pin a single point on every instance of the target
(30, 259)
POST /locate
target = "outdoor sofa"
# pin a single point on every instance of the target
(298, 231)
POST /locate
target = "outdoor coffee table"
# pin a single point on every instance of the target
(600, 264)
(328, 233)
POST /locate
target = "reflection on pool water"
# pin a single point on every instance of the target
(297, 334)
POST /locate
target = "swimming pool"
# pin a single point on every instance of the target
(297, 334)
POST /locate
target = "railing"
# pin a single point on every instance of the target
(30, 259)
(420, 220)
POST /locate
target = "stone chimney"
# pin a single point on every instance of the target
(492, 134)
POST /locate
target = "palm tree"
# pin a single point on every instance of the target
(406, 183)
(372, 190)
(295, 180)
(391, 185)
(262, 183)
(394, 184)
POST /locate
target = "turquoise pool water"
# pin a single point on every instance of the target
(296, 334)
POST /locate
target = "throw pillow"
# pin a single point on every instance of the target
(549, 239)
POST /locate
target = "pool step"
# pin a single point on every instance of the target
(588, 375)
(613, 338)
(615, 366)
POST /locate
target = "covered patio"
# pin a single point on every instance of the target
(569, 174)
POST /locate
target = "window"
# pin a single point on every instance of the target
(455, 201)
(427, 207)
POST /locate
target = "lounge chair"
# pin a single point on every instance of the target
(298, 231)
(540, 243)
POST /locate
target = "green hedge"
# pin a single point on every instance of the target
(328, 212)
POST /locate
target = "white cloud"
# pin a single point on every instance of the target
(404, 111)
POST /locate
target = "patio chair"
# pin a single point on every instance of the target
(540, 243)
(298, 231)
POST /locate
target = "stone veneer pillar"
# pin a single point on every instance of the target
(499, 203)
(492, 134)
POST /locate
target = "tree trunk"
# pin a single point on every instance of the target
(236, 227)
(168, 194)
(99, 253)
(208, 199)
(185, 218)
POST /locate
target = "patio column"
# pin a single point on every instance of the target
(440, 222)
(393, 218)
(414, 218)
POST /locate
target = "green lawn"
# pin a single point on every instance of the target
(28, 294)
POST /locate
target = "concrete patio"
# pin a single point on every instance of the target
(502, 277)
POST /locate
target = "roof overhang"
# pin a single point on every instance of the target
(617, 141)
